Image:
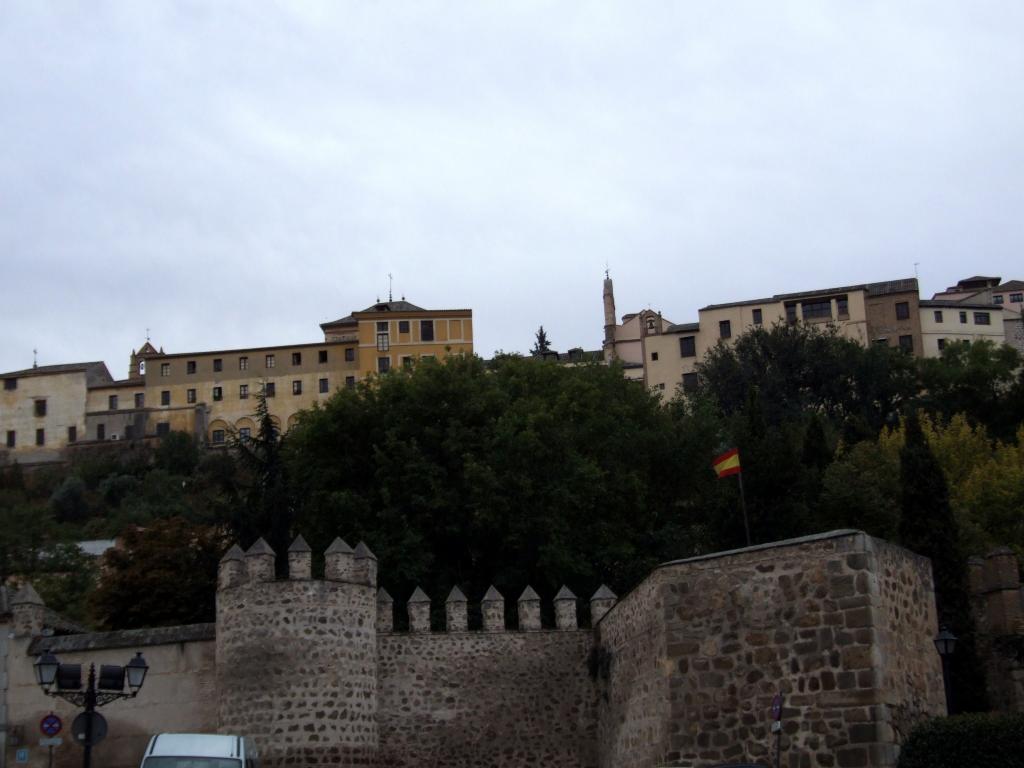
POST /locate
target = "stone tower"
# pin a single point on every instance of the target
(297, 658)
(609, 319)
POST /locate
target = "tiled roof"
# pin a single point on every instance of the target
(394, 306)
(44, 370)
(952, 304)
(872, 289)
(1010, 285)
(683, 328)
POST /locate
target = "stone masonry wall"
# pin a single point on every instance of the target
(296, 670)
(805, 618)
(491, 699)
(635, 717)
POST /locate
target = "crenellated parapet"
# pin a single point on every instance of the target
(492, 610)
(257, 564)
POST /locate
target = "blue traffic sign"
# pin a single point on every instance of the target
(50, 725)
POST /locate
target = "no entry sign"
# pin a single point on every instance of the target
(50, 725)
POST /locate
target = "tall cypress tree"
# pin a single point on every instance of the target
(928, 527)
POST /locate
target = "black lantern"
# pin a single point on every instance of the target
(945, 642)
(46, 669)
(137, 669)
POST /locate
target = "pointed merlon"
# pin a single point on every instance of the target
(419, 596)
(364, 551)
(565, 594)
(492, 596)
(338, 546)
(235, 553)
(603, 593)
(260, 548)
(300, 545)
(529, 595)
(456, 596)
(383, 596)
(27, 595)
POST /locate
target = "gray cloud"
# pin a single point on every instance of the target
(232, 174)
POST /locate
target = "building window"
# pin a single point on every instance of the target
(101, 431)
(997, 298)
(881, 341)
(165, 369)
(661, 386)
(11, 438)
(350, 354)
(243, 391)
(296, 358)
(270, 389)
(902, 310)
(817, 310)
(350, 382)
(426, 330)
(982, 318)
(10, 384)
(218, 437)
(112, 403)
(140, 399)
(243, 363)
(758, 319)
(190, 396)
(383, 364)
(724, 329)
(40, 437)
(324, 386)
(165, 397)
(428, 357)
(843, 307)
(963, 317)
(190, 367)
(791, 313)
(403, 326)
(245, 433)
(40, 407)
(72, 434)
(218, 364)
(942, 344)
(1016, 298)
(907, 343)
(689, 382)
(654, 356)
(688, 346)
(407, 361)
(268, 361)
(383, 342)
(218, 394)
(382, 326)
(322, 356)
(938, 315)
(296, 387)
(163, 429)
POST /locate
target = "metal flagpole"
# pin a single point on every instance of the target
(743, 506)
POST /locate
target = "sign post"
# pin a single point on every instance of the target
(50, 726)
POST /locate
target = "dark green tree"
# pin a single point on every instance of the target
(177, 453)
(541, 343)
(928, 527)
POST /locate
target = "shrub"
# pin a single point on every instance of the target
(966, 741)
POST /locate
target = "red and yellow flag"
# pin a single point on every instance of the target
(727, 464)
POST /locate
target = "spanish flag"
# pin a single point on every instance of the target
(727, 464)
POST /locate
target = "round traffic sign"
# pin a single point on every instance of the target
(50, 725)
(89, 728)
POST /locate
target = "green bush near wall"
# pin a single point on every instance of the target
(966, 741)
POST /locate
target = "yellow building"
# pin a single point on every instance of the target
(211, 394)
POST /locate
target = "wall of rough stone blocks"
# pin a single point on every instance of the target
(296, 670)
(492, 699)
(998, 601)
(815, 620)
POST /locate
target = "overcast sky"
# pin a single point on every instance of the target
(232, 174)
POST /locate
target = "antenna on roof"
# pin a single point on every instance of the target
(35, 352)
(147, 334)
(607, 271)
(389, 286)
(915, 269)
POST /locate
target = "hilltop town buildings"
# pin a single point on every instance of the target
(211, 394)
(664, 355)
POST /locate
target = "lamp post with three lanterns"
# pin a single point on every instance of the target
(65, 681)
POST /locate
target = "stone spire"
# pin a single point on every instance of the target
(259, 561)
(366, 565)
(28, 611)
(493, 609)
(419, 611)
(609, 318)
(231, 571)
(455, 614)
(565, 609)
(300, 559)
(600, 603)
(385, 611)
(529, 610)
(339, 561)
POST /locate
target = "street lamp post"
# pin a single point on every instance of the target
(945, 644)
(65, 681)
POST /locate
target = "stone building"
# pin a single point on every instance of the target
(211, 394)
(681, 671)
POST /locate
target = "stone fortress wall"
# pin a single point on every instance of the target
(681, 671)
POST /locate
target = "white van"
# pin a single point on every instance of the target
(200, 750)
